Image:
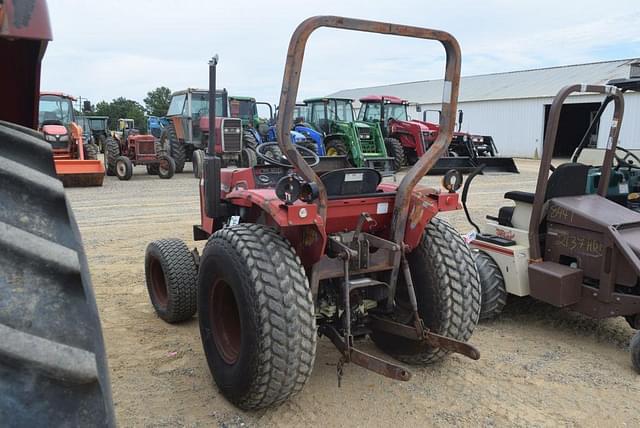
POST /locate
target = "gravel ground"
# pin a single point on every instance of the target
(539, 366)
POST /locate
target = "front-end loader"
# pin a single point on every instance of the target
(362, 142)
(76, 159)
(569, 244)
(53, 368)
(466, 152)
(291, 255)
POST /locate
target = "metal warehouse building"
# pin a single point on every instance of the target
(513, 106)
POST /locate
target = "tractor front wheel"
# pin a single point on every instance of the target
(256, 316)
(166, 167)
(447, 289)
(170, 270)
(124, 168)
(197, 159)
(396, 151)
(335, 148)
(111, 153)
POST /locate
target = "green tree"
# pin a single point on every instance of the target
(157, 101)
(122, 108)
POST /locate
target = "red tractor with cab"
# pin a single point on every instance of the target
(466, 152)
(294, 252)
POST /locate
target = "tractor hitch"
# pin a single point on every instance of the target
(423, 334)
(362, 359)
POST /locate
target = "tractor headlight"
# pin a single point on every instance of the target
(288, 189)
(477, 139)
(452, 180)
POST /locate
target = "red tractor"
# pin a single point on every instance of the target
(291, 255)
(465, 152)
(128, 147)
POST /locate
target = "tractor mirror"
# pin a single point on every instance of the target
(460, 116)
(418, 108)
(86, 106)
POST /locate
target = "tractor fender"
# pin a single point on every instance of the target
(299, 222)
(425, 204)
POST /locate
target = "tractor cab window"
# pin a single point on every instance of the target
(57, 109)
(395, 111)
(369, 112)
(176, 105)
(200, 105)
(340, 110)
(243, 109)
(300, 111)
(317, 111)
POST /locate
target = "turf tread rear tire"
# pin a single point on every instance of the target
(447, 289)
(53, 369)
(180, 273)
(494, 293)
(280, 305)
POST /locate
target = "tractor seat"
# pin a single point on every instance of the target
(518, 196)
(351, 182)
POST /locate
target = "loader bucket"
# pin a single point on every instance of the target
(466, 164)
(80, 173)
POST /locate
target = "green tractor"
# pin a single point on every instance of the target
(362, 142)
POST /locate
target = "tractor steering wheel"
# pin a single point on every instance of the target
(624, 161)
(266, 153)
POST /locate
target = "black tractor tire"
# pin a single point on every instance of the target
(248, 158)
(152, 169)
(494, 292)
(167, 167)
(53, 367)
(124, 168)
(256, 315)
(100, 142)
(111, 153)
(309, 144)
(249, 140)
(176, 147)
(171, 273)
(634, 349)
(396, 151)
(197, 159)
(92, 151)
(335, 147)
(447, 287)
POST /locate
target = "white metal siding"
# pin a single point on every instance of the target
(517, 125)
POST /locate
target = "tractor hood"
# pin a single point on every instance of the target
(54, 130)
(425, 126)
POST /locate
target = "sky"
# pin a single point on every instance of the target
(107, 49)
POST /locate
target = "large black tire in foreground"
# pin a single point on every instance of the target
(53, 369)
(256, 315)
(396, 151)
(447, 290)
(111, 154)
(171, 272)
(494, 293)
(176, 147)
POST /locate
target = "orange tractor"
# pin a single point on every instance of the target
(76, 160)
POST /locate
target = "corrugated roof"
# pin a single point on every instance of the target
(537, 83)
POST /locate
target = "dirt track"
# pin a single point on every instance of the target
(539, 366)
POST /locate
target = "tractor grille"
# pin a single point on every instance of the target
(146, 148)
(367, 142)
(231, 135)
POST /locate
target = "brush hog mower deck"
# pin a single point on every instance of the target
(53, 369)
(291, 255)
(567, 244)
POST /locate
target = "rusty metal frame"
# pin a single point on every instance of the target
(291, 81)
(551, 133)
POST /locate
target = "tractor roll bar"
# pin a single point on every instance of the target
(550, 141)
(289, 93)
